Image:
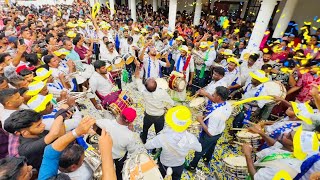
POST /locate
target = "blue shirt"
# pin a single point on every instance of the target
(74, 56)
(50, 163)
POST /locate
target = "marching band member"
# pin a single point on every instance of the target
(151, 65)
(217, 80)
(247, 67)
(110, 54)
(254, 88)
(184, 64)
(175, 141)
(136, 35)
(157, 42)
(102, 84)
(123, 41)
(128, 47)
(124, 141)
(54, 86)
(203, 66)
(155, 100)
(233, 74)
(212, 125)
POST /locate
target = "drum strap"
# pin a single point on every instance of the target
(249, 111)
(185, 67)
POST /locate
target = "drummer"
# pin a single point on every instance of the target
(295, 152)
(233, 74)
(212, 125)
(184, 64)
(175, 141)
(155, 100)
(152, 65)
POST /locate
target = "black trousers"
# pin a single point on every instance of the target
(177, 171)
(119, 166)
(148, 120)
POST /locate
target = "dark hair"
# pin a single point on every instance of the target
(5, 94)
(2, 79)
(98, 64)
(47, 58)
(71, 155)
(25, 72)
(254, 57)
(107, 43)
(222, 92)
(3, 56)
(21, 119)
(32, 58)
(76, 40)
(130, 39)
(48, 38)
(219, 70)
(266, 66)
(22, 90)
(10, 167)
(60, 176)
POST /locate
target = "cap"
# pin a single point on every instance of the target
(12, 39)
(130, 114)
(22, 67)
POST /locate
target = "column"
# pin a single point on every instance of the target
(261, 24)
(155, 5)
(129, 4)
(244, 9)
(172, 14)
(285, 18)
(133, 10)
(197, 13)
(111, 4)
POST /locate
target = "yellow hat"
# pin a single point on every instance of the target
(233, 60)
(304, 142)
(184, 48)
(42, 74)
(282, 175)
(259, 75)
(81, 24)
(71, 34)
(35, 87)
(180, 38)
(227, 52)
(61, 51)
(136, 29)
(143, 30)
(179, 118)
(38, 103)
(203, 44)
(125, 27)
(105, 26)
(71, 25)
(303, 111)
(170, 34)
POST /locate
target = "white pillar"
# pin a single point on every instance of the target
(172, 14)
(244, 8)
(285, 18)
(133, 10)
(155, 5)
(261, 24)
(197, 13)
(111, 4)
(129, 4)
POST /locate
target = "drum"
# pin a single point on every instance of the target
(235, 109)
(128, 58)
(177, 81)
(118, 63)
(162, 83)
(235, 167)
(198, 103)
(275, 88)
(248, 137)
(141, 166)
(122, 102)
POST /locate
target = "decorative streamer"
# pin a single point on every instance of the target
(95, 10)
(259, 98)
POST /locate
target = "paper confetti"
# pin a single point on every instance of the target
(307, 23)
(278, 10)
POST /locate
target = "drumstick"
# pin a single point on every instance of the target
(196, 86)
(239, 143)
(239, 129)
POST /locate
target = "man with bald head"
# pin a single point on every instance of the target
(155, 99)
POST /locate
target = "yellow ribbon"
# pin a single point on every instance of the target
(95, 10)
(259, 98)
(107, 4)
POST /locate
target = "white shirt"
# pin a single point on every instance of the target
(244, 70)
(154, 67)
(123, 139)
(211, 87)
(136, 38)
(217, 119)
(175, 146)
(126, 48)
(7, 112)
(251, 92)
(98, 83)
(84, 172)
(233, 76)
(70, 124)
(211, 57)
(154, 101)
(190, 67)
(159, 45)
(107, 56)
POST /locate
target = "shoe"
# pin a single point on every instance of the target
(191, 169)
(206, 163)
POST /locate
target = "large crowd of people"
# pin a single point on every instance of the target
(61, 66)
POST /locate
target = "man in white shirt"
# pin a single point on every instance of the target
(217, 80)
(184, 64)
(175, 141)
(233, 74)
(155, 100)
(213, 125)
(157, 42)
(124, 140)
(152, 65)
(247, 67)
(203, 66)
